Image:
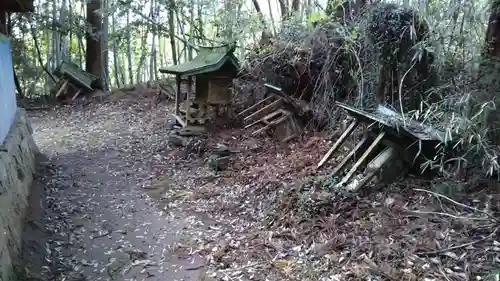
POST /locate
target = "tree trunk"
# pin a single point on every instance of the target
(200, 23)
(105, 47)
(171, 28)
(93, 58)
(70, 31)
(55, 45)
(228, 31)
(272, 17)
(152, 64)
(283, 9)
(116, 65)
(192, 24)
(129, 50)
(492, 48)
(48, 58)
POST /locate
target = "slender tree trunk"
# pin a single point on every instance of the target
(116, 65)
(171, 27)
(129, 50)
(152, 62)
(283, 9)
(228, 32)
(192, 24)
(142, 58)
(55, 45)
(182, 31)
(48, 58)
(200, 23)
(70, 31)
(273, 24)
(93, 59)
(105, 47)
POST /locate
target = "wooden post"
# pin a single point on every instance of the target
(188, 98)
(338, 143)
(3, 23)
(77, 94)
(365, 155)
(63, 87)
(350, 155)
(177, 94)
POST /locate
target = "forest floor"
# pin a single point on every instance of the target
(114, 201)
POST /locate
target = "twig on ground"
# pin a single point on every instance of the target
(446, 215)
(459, 204)
(241, 268)
(458, 246)
(102, 235)
(444, 274)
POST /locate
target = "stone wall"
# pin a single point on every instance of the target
(17, 167)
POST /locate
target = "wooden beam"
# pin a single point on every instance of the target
(372, 168)
(362, 159)
(63, 87)
(265, 118)
(271, 124)
(177, 94)
(353, 152)
(188, 99)
(77, 93)
(338, 143)
(179, 120)
(255, 105)
(265, 110)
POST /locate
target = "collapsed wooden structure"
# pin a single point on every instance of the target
(73, 81)
(213, 70)
(387, 138)
(278, 113)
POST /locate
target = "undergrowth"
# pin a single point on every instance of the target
(340, 60)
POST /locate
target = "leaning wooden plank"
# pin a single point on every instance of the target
(63, 87)
(266, 118)
(251, 108)
(179, 120)
(338, 143)
(168, 90)
(265, 110)
(372, 168)
(353, 152)
(362, 159)
(271, 124)
(77, 94)
(253, 124)
(287, 139)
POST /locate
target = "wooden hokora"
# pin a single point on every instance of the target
(212, 72)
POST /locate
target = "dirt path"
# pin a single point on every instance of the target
(111, 203)
(90, 207)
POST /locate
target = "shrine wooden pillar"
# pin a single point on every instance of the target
(3, 23)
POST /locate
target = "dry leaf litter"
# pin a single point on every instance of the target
(119, 202)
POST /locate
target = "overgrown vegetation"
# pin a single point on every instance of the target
(430, 65)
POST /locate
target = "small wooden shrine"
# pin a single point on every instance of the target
(214, 69)
(73, 80)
